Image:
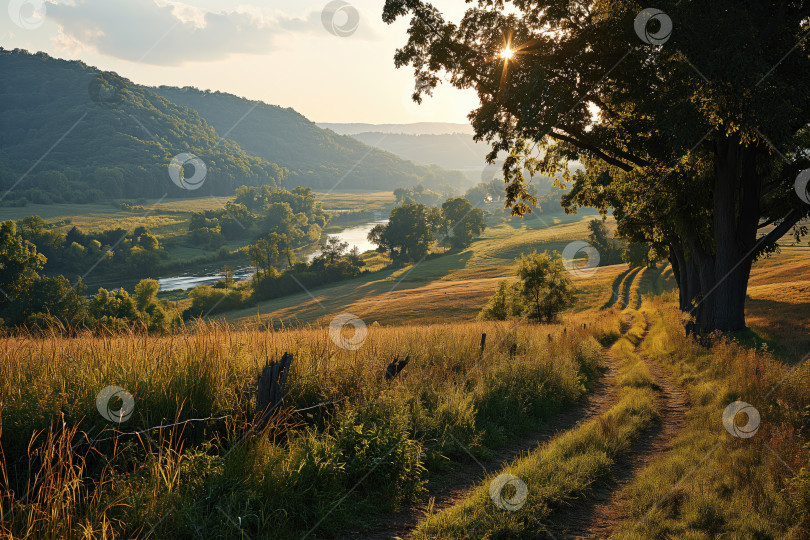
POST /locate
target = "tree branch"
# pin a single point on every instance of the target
(791, 219)
(585, 146)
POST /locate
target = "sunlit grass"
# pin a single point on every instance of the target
(711, 484)
(449, 393)
(561, 471)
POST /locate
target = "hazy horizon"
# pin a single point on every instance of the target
(279, 54)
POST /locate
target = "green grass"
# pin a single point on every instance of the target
(560, 471)
(625, 288)
(615, 287)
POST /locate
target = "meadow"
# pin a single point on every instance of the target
(567, 408)
(451, 399)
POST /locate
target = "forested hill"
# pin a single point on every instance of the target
(71, 133)
(316, 157)
(86, 135)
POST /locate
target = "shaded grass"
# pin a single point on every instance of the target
(625, 288)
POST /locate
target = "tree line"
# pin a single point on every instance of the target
(29, 298)
(411, 228)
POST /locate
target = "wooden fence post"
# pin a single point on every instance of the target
(270, 393)
(483, 343)
(395, 367)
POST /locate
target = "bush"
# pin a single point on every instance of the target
(543, 292)
(207, 238)
(504, 304)
(206, 300)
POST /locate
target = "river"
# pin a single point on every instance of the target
(355, 236)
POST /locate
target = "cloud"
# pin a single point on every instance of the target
(171, 33)
(167, 35)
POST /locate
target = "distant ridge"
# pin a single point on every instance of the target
(419, 128)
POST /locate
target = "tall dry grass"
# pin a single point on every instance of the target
(376, 447)
(711, 484)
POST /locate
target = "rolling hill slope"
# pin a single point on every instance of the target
(72, 133)
(318, 158)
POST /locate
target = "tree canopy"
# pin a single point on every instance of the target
(693, 139)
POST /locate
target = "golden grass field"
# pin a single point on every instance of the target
(448, 402)
(455, 287)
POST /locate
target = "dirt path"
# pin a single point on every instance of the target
(625, 288)
(615, 289)
(453, 487)
(597, 516)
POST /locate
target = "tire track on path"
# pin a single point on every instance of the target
(452, 488)
(599, 515)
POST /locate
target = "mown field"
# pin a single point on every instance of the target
(454, 287)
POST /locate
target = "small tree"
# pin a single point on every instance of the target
(409, 232)
(507, 302)
(265, 254)
(545, 286)
(146, 293)
(333, 248)
(609, 252)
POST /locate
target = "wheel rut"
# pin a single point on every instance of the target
(597, 516)
(453, 487)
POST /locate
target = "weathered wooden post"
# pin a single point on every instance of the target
(270, 393)
(513, 350)
(483, 343)
(395, 367)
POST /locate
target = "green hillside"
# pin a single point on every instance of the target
(318, 158)
(85, 136)
(74, 134)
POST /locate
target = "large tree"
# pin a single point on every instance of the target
(408, 233)
(693, 137)
(461, 223)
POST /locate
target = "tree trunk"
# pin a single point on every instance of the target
(675, 261)
(702, 269)
(737, 191)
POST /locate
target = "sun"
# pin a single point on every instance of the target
(507, 53)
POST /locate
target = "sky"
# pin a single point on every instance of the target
(331, 61)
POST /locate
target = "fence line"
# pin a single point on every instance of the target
(210, 418)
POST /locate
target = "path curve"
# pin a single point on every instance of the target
(455, 486)
(599, 515)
